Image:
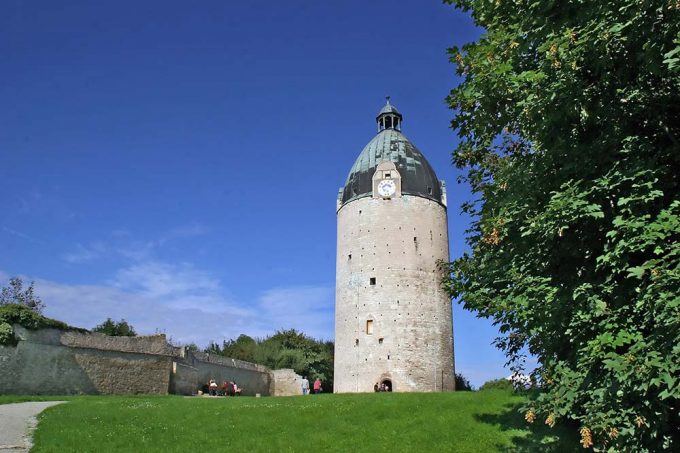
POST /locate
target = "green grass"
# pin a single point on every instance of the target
(461, 422)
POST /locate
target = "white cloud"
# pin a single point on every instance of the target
(186, 303)
(306, 308)
(122, 243)
(84, 254)
(156, 279)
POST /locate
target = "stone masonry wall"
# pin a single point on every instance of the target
(287, 383)
(51, 361)
(250, 377)
(42, 364)
(387, 277)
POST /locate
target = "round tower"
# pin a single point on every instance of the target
(393, 321)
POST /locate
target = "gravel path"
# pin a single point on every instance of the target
(17, 422)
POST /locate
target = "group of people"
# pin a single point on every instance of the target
(305, 386)
(381, 387)
(228, 388)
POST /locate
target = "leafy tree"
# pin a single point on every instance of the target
(242, 348)
(284, 349)
(213, 348)
(116, 328)
(569, 120)
(462, 383)
(497, 384)
(15, 293)
(192, 347)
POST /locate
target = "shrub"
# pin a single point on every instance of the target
(26, 317)
(116, 329)
(497, 384)
(6, 334)
(462, 383)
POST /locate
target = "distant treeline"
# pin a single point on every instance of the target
(285, 349)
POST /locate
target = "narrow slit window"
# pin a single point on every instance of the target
(349, 257)
(356, 342)
(372, 281)
(388, 175)
(369, 327)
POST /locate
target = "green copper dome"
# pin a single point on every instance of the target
(417, 176)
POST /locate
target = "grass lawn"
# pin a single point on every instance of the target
(463, 422)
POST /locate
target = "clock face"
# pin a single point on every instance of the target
(387, 187)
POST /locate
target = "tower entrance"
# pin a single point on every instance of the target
(388, 385)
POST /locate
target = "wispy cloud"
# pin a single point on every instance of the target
(184, 231)
(306, 308)
(83, 254)
(21, 235)
(157, 279)
(186, 303)
(122, 243)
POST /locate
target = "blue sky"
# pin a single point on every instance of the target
(176, 164)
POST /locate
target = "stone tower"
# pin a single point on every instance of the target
(393, 322)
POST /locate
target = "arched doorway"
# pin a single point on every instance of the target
(388, 385)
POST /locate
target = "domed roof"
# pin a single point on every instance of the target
(417, 176)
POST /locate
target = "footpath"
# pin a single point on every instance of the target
(17, 422)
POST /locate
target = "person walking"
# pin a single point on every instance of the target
(317, 386)
(305, 386)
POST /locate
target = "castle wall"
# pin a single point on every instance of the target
(397, 242)
(287, 383)
(43, 363)
(56, 362)
(250, 377)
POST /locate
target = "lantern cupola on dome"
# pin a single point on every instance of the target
(389, 117)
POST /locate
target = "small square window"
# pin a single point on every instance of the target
(372, 281)
(380, 341)
(388, 175)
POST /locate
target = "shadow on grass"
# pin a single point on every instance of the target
(540, 437)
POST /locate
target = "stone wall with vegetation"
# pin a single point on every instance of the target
(54, 361)
(45, 362)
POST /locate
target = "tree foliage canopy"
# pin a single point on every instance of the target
(27, 317)
(115, 328)
(15, 293)
(285, 349)
(569, 119)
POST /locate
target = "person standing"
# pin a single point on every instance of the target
(305, 386)
(317, 386)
